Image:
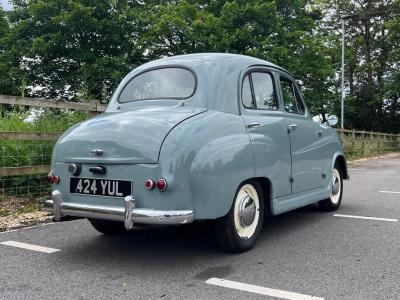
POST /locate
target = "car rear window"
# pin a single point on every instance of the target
(163, 83)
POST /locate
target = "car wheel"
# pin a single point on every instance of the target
(335, 198)
(108, 227)
(239, 229)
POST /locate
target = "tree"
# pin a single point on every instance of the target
(81, 49)
(368, 64)
(282, 32)
(77, 48)
(5, 83)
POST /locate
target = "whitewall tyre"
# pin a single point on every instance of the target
(336, 191)
(239, 229)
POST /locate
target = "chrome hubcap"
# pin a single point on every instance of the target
(336, 186)
(247, 211)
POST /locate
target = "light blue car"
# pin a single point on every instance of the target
(198, 137)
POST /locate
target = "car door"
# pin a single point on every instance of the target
(305, 139)
(267, 129)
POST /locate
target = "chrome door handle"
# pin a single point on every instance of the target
(292, 127)
(98, 170)
(252, 125)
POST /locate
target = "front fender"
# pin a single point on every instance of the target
(204, 159)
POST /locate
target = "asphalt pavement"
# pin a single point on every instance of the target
(306, 254)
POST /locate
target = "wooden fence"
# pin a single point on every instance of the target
(356, 143)
(364, 143)
(92, 108)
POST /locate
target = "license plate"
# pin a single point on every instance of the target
(100, 187)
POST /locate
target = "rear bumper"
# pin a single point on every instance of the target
(128, 214)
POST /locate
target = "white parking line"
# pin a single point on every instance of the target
(260, 290)
(389, 192)
(365, 218)
(30, 247)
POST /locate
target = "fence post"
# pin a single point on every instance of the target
(94, 111)
(397, 142)
(385, 142)
(363, 142)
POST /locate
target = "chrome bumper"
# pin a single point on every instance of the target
(127, 214)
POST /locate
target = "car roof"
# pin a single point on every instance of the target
(217, 77)
(241, 61)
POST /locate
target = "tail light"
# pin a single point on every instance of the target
(149, 185)
(56, 179)
(161, 184)
(52, 179)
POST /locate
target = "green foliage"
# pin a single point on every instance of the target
(81, 49)
(76, 49)
(372, 66)
(44, 121)
(282, 32)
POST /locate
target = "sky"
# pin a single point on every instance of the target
(5, 4)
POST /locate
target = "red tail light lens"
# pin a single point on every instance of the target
(56, 179)
(149, 184)
(161, 184)
(49, 178)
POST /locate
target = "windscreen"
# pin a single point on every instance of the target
(164, 83)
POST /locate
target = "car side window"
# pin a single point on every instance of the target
(264, 92)
(258, 91)
(291, 98)
(247, 97)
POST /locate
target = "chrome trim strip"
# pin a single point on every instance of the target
(128, 214)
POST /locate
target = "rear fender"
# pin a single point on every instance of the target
(204, 159)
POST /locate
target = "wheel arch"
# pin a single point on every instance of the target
(341, 160)
(266, 187)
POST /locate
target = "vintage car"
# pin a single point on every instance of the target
(198, 137)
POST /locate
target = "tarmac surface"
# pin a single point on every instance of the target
(304, 254)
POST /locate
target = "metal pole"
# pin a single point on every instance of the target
(342, 91)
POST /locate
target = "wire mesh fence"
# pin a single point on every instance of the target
(29, 128)
(23, 166)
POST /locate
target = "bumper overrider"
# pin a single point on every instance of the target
(128, 214)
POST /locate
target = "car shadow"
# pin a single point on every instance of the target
(170, 248)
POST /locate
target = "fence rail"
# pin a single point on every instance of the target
(23, 136)
(91, 106)
(25, 170)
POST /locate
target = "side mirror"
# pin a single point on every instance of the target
(332, 120)
(326, 119)
(317, 119)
